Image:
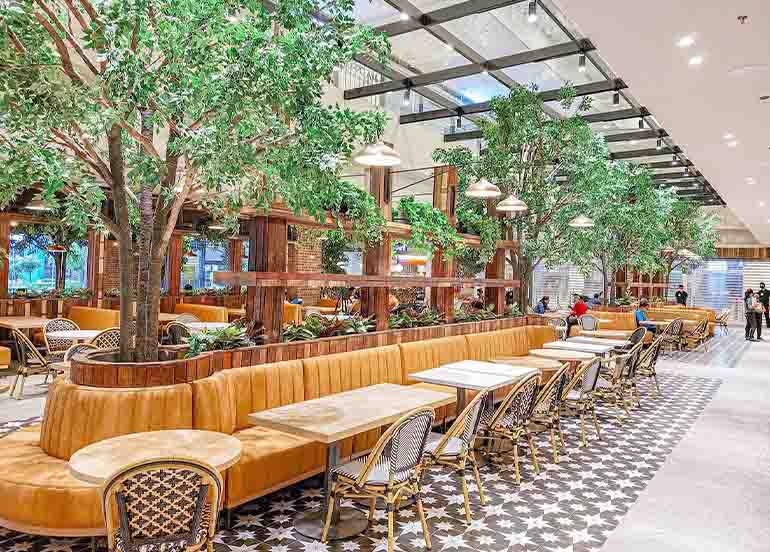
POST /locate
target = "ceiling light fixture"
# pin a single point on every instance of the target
(659, 145)
(512, 204)
(695, 61)
(407, 97)
(641, 124)
(532, 14)
(581, 221)
(674, 160)
(687, 171)
(732, 144)
(483, 189)
(448, 46)
(761, 203)
(404, 16)
(582, 63)
(459, 121)
(484, 70)
(616, 98)
(377, 155)
(728, 136)
(686, 41)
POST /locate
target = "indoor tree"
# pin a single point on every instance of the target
(689, 236)
(543, 161)
(157, 104)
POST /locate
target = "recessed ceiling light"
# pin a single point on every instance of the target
(728, 136)
(686, 41)
(750, 180)
(696, 60)
(761, 203)
(747, 69)
(404, 16)
(732, 144)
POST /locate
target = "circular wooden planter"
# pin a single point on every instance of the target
(100, 369)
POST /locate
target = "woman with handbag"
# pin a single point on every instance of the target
(748, 309)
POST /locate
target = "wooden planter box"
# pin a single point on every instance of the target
(47, 308)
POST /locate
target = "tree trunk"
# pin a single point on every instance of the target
(60, 264)
(605, 282)
(525, 273)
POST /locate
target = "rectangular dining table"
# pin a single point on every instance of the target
(594, 348)
(599, 341)
(332, 419)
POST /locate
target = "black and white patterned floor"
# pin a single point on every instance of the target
(570, 506)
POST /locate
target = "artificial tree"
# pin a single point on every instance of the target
(155, 104)
(689, 236)
(541, 160)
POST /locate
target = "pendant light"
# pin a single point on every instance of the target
(616, 98)
(407, 97)
(482, 189)
(659, 145)
(532, 13)
(512, 204)
(377, 155)
(641, 124)
(582, 63)
(581, 221)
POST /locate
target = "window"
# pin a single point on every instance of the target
(245, 257)
(201, 262)
(32, 267)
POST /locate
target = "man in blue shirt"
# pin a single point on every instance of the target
(641, 316)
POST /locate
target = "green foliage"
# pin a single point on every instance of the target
(470, 314)
(689, 234)
(69, 293)
(230, 337)
(333, 252)
(431, 229)
(316, 327)
(409, 318)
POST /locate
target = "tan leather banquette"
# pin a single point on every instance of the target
(39, 495)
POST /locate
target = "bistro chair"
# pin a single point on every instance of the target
(589, 322)
(78, 348)
(579, 395)
(647, 362)
(454, 449)
(636, 337)
(560, 325)
(187, 318)
(56, 346)
(722, 321)
(177, 333)
(547, 408)
(107, 339)
(511, 421)
(31, 362)
(162, 505)
(672, 334)
(614, 385)
(699, 334)
(391, 470)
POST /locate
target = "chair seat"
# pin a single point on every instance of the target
(452, 449)
(603, 384)
(171, 544)
(378, 476)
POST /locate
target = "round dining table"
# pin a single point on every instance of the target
(78, 336)
(97, 462)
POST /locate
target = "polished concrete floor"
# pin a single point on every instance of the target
(704, 486)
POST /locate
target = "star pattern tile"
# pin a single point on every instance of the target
(571, 506)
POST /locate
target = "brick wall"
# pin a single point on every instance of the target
(305, 256)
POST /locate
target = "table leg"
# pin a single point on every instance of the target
(346, 522)
(460, 400)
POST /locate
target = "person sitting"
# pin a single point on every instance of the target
(596, 301)
(542, 305)
(641, 316)
(578, 310)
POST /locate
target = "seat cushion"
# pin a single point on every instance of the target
(379, 474)
(270, 460)
(5, 357)
(205, 313)
(90, 318)
(39, 495)
(452, 449)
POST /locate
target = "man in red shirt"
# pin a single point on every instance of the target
(578, 310)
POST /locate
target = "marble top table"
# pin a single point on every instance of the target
(599, 341)
(495, 368)
(203, 326)
(609, 334)
(75, 335)
(23, 322)
(582, 347)
(564, 355)
(98, 461)
(165, 317)
(546, 366)
(334, 418)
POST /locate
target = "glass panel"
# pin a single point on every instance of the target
(375, 12)
(421, 52)
(31, 267)
(431, 5)
(600, 103)
(476, 88)
(198, 267)
(623, 125)
(632, 145)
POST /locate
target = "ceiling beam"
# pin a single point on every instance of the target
(675, 176)
(617, 115)
(646, 134)
(666, 164)
(418, 20)
(435, 77)
(647, 152)
(546, 96)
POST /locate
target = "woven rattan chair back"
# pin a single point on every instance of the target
(27, 351)
(631, 362)
(549, 398)
(588, 376)
(560, 325)
(177, 333)
(589, 322)
(466, 426)
(187, 318)
(675, 328)
(108, 339)
(637, 336)
(401, 447)
(58, 345)
(161, 505)
(650, 357)
(78, 348)
(517, 407)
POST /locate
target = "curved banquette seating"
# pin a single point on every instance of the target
(624, 321)
(39, 495)
(205, 313)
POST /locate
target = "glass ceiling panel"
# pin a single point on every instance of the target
(431, 5)
(651, 159)
(375, 12)
(476, 88)
(632, 145)
(624, 125)
(600, 103)
(506, 31)
(422, 51)
(553, 74)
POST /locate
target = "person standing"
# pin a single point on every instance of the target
(764, 298)
(748, 309)
(681, 296)
(758, 310)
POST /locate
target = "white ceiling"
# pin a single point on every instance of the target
(697, 105)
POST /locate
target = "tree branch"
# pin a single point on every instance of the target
(91, 11)
(71, 39)
(18, 46)
(69, 70)
(75, 12)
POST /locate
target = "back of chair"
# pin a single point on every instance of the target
(630, 362)
(177, 333)
(58, 344)
(675, 328)
(108, 339)
(701, 328)
(162, 504)
(650, 357)
(517, 407)
(589, 322)
(466, 426)
(637, 336)
(28, 352)
(560, 325)
(549, 398)
(78, 348)
(401, 447)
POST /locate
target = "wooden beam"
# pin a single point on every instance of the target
(444, 199)
(495, 269)
(374, 300)
(174, 264)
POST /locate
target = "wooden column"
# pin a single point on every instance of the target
(374, 301)
(267, 253)
(5, 245)
(95, 267)
(235, 255)
(444, 199)
(495, 269)
(174, 265)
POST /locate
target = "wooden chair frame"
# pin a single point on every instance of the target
(27, 351)
(699, 334)
(621, 379)
(54, 351)
(547, 411)
(585, 401)
(648, 361)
